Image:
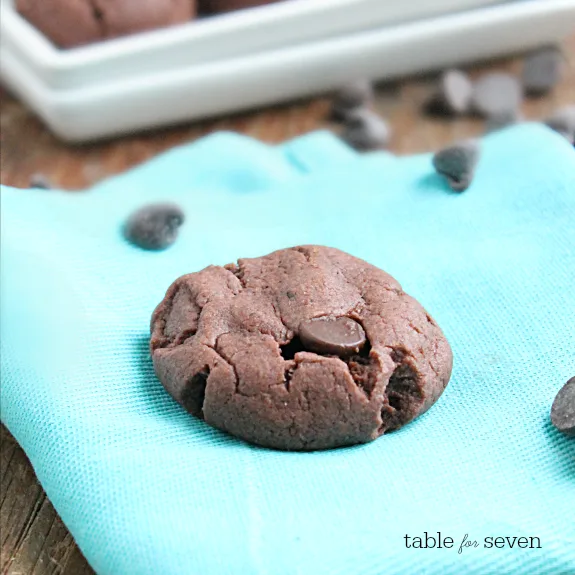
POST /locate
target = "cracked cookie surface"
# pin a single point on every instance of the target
(226, 344)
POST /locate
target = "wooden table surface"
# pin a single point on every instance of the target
(34, 541)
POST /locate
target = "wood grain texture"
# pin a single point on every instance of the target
(34, 541)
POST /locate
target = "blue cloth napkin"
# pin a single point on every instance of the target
(147, 489)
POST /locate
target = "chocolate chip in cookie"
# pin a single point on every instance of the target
(341, 336)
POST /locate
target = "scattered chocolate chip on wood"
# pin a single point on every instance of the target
(154, 227)
(453, 95)
(542, 71)
(457, 163)
(40, 182)
(354, 95)
(365, 130)
(563, 409)
(504, 120)
(496, 94)
(563, 121)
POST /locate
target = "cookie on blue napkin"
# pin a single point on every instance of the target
(146, 489)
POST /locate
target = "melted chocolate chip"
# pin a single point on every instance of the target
(563, 410)
(340, 336)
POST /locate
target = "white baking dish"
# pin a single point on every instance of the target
(253, 80)
(209, 39)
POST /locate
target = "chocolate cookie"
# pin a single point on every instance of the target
(305, 348)
(66, 22)
(71, 23)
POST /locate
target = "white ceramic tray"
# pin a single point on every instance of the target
(253, 80)
(208, 39)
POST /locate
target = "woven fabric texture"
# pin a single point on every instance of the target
(147, 489)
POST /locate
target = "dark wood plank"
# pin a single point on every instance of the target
(34, 541)
(21, 504)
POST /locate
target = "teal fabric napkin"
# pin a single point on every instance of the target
(147, 489)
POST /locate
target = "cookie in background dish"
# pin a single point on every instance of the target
(70, 23)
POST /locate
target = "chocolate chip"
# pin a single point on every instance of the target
(40, 181)
(504, 120)
(356, 94)
(542, 71)
(154, 227)
(453, 95)
(563, 121)
(457, 163)
(496, 94)
(563, 409)
(365, 130)
(340, 336)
